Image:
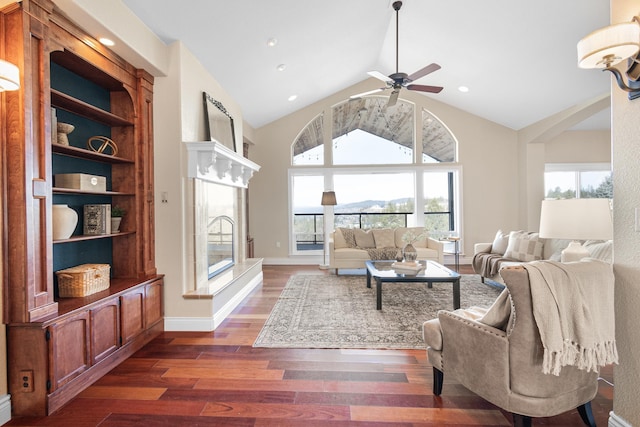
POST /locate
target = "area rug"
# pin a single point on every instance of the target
(320, 311)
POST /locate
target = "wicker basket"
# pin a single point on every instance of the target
(83, 280)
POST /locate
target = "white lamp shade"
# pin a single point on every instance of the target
(576, 219)
(617, 42)
(9, 76)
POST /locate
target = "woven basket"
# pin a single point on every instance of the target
(83, 280)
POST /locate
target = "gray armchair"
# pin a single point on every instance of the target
(503, 363)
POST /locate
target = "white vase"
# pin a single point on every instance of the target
(115, 224)
(65, 220)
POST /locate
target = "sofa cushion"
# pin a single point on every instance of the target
(384, 237)
(338, 240)
(351, 254)
(364, 238)
(401, 231)
(500, 243)
(524, 246)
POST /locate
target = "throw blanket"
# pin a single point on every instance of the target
(573, 309)
(487, 264)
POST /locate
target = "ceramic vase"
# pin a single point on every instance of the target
(65, 220)
(410, 253)
(115, 224)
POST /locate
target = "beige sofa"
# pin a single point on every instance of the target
(353, 251)
(518, 247)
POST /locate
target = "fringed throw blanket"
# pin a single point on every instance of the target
(573, 309)
(487, 264)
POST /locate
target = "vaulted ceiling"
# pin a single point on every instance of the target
(518, 58)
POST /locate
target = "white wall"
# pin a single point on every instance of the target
(626, 182)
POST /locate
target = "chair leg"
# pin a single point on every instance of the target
(586, 414)
(438, 377)
(481, 279)
(521, 420)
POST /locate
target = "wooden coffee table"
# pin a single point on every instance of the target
(433, 272)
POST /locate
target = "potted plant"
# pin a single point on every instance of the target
(116, 217)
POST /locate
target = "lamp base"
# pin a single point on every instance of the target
(573, 252)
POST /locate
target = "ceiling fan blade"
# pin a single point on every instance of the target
(425, 88)
(424, 71)
(370, 92)
(393, 98)
(378, 75)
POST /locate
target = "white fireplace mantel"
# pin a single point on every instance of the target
(211, 161)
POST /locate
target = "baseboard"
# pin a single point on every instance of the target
(208, 324)
(5, 409)
(616, 421)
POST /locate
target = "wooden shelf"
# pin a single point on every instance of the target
(59, 190)
(81, 153)
(81, 108)
(82, 237)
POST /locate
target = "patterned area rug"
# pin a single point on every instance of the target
(318, 311)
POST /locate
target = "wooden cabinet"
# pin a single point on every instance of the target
(65, 344)
(69, 342)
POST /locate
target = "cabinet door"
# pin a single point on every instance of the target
(132, 313)
(105, 329)
(153, 303)
(68, 349)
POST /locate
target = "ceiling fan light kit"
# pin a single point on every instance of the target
(398, 80)
(608, 46)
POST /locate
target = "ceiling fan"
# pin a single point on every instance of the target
(398, 80)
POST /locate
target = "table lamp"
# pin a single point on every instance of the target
(576, 219)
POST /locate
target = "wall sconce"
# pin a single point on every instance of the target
(606, 47)
(9, 76)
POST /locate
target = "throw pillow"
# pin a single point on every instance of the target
(349, 237)
(500, 243)
(383, 238)
(339, 241)
(600, 249)
(364, 239)
(524, 246)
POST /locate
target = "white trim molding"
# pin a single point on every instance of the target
(5, 409)
(211, 161)
(616, 421)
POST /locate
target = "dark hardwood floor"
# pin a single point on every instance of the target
(218, 379)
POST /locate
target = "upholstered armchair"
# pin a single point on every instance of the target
(502, 361)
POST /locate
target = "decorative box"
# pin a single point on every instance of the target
(81, 181)
(83, 280)
(97, 219)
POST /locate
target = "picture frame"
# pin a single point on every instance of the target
(218, 123)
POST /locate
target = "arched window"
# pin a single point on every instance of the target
(386, 170)
(308, 148)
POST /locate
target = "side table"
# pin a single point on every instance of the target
(456, 250)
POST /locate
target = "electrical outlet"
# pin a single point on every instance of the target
(277, 244)
(26, 379)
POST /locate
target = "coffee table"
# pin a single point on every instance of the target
(433, 272)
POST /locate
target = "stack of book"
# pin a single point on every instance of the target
(97, 219)
(412, 267)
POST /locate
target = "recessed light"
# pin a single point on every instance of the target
(105, 41)
(463, 89)
(281, 67)
(293, 97)
(272, 42)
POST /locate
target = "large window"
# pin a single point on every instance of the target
(377, 170)
(578, 180)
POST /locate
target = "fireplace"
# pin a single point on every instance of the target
(221, 175)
